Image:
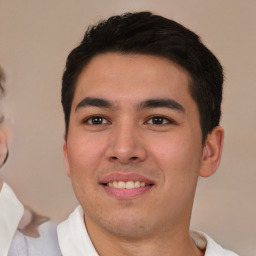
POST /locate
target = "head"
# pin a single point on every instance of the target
(149, 34)
(140, 94)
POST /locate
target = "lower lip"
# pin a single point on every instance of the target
(126, 193)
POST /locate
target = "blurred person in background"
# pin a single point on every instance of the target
(23, 232)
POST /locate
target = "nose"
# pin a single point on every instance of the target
(126, 145)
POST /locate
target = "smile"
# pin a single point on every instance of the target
(126, 185)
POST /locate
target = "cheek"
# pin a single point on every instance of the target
(85, 154)
(177, 156)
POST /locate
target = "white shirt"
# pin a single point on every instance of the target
(15, 243)
(74, 239)
(45, 245)
(11, 211)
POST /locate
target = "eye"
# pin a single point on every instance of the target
(159, 120)
(96, 120)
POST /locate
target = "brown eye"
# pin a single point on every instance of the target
(158, 120)
(96, 120)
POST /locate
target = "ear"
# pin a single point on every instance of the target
(65, 152)
(3, 148)
(212, 152)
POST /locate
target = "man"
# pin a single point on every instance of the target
(22, 231)
(141, 96)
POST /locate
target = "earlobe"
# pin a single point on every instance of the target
(3, 148)
(212, 152)
(65, 152)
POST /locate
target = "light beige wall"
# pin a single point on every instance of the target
(35, 38)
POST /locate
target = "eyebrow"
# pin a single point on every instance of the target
(94, 102)
(150, 103)
(161, 103)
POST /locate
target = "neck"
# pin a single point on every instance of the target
(170, 242)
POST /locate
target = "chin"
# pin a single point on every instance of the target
(128, 223)
(125, 221)
(128, 228)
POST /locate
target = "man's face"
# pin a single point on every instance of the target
(134, 148)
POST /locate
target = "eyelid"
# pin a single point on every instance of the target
(168, 119)
(86, 120)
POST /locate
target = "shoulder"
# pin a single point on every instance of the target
(45, 244)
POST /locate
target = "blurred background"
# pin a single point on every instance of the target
(35, 39)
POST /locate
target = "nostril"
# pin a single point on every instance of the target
(134, 158)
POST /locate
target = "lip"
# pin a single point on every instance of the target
(126, 193)
(119, 176)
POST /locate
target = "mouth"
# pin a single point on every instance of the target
(126, 186)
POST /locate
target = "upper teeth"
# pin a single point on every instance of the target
(127, 185)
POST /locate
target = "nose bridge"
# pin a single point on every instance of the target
(125, 142)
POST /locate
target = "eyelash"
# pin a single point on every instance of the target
(165, 120)
(98, 118)
(89, 120)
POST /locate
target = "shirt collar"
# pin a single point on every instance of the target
(74, 239)
(73, 236)
(205, 242)
(9, 217)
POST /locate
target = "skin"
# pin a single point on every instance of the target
(161, 143)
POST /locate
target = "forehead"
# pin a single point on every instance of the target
(132, 76)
